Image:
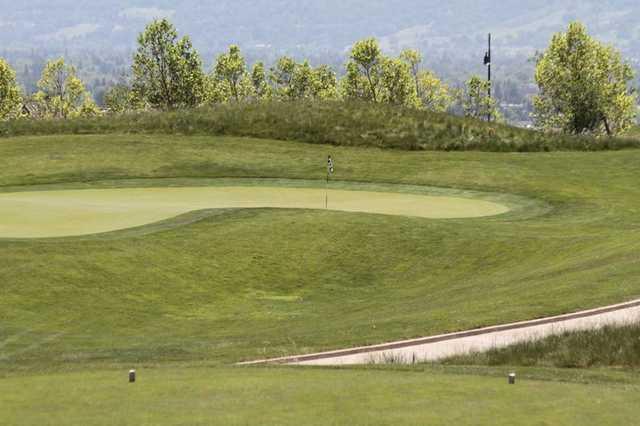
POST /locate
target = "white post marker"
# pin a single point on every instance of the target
(132, 376)
(330, 170)
(512, 378)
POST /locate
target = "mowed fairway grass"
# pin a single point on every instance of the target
(230, 396)
(219, 286)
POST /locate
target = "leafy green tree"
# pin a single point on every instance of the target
(354, 85)
(10, 97)
(371, 76)
(62, 93)
(397, 84)
(281, 77)
(324, 83)
(301, 81)
(476, 102)
(433, 94)
(585, 86)
(167, 71)
(231, 72)
(414, 59)
(364, 71)
(121, 98)
(293, 80)
(261, 88)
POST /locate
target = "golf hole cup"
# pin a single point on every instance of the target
(132, 376)
(512, 378)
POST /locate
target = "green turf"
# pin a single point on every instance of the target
(243, 284)
(220, 286)
(226, 396)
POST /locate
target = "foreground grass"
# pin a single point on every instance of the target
(607, 347)
(200, 395)
(336, 123)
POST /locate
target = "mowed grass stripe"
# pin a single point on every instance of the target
(224, 396)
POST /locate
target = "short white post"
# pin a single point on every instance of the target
(512, 378)
(132, 376)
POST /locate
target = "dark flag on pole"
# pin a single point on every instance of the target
(330, 165)
(329, 173)
(487, 58)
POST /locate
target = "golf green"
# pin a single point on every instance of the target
(45, 214)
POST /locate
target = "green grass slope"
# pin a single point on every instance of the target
(242, 284)
(336, 123)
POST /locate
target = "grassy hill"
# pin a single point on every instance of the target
(184, 299)
(335, 123)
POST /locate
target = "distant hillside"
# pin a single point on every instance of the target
(330, 25)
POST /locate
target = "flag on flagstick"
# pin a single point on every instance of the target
(330, 170)
(330, 165)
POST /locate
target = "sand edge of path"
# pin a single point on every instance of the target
(437, 347)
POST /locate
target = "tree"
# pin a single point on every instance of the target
(120, 99)
(10, 97)
(230, 71)
(584, 86)
(414, 59)
(292, 80)
(167, 72)
(433, 94)
(397, 84)
(281, 77)
(476, 102)
(301, 81)
(354, 85)
(62, 93)
(261, 88)
(324, 83)
(365, 69)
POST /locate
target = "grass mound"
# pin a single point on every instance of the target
(336, 123)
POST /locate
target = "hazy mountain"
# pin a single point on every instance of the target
(326, 25)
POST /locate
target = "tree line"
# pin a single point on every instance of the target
(584, 85)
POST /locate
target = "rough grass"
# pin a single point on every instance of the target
(607, 347)
(336, 123)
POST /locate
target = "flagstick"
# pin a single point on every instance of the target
(326, 193)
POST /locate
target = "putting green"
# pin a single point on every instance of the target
(89, 211)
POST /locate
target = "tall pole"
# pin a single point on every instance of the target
(326, 193)
(489, 79)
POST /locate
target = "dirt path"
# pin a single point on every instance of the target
(442, 346)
